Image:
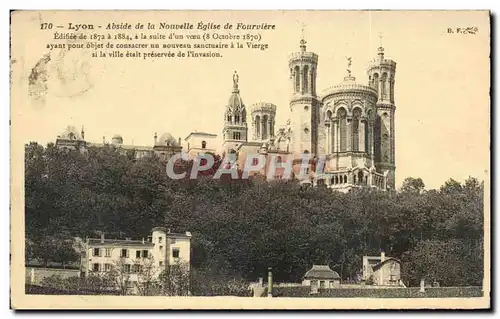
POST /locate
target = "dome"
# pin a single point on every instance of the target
(167, 139)
(349, 85)
(71, 133)
(117, 139)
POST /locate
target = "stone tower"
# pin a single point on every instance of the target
(235, 122)
(304, 104)
(381, 77)
(263, 119)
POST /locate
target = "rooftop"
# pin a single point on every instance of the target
(321, 272)
(119, 242)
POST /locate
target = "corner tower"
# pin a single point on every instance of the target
(263, 119)
(304, 104)
(235, 119)
(381, 77)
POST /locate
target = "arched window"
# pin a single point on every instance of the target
(305, 80)
(375, 81)
(385, 147)
(360, 177)
(229, 117)
(355, 129)
(236, 135)
(341, 114)
(297, 79)
(278, 159)
(203, 144)
(345, 179)
(336, 180)
(236, 118)
(383, 86)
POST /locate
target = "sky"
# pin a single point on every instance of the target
(442, 122)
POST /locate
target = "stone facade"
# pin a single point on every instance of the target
(349, 127)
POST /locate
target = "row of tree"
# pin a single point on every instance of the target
(242, 227)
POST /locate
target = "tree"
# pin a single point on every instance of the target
(175, 279)
(413, 185)
(147, 283)
(451, 186)
(65, 253)
(119, 276)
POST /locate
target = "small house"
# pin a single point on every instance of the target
(321, 276)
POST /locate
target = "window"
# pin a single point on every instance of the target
(135, 268)
(124, 253)
(97, 252)
(305, 80)
(355, 130)
(175, 252)
(306, 130)
(297, 79)
(107, 267)
(236, 118)
(144, 254)
(126, 267)
(236, 135)
(306, 108)
(161, 248)
(279, 160)
(160, 263)
(160, 239)
(255, 161)
(341, 114)
(95, 267)
(203, 144)
(137, 254)
(108, 252)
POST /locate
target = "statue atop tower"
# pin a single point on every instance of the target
(235, 122)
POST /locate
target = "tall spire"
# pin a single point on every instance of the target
(236, 78)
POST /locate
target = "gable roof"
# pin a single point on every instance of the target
(379, 265)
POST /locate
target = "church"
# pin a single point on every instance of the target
(350, 126)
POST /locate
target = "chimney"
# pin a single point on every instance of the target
(382, 255)
(102, 237)
(143, 240)
(270, 282)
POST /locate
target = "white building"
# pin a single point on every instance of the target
(383, 271)
(160, 249)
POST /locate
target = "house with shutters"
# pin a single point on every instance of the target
(160, 250)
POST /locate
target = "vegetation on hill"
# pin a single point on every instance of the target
(242, 227)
